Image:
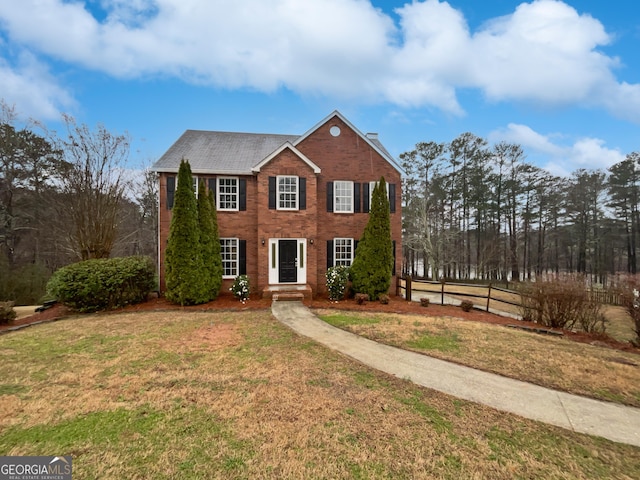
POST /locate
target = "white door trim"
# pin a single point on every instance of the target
(274, 261)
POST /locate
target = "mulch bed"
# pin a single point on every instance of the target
(227, 302)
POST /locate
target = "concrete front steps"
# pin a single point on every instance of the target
(283, 293)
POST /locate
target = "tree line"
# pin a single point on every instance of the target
(65, 198)
(472, 211)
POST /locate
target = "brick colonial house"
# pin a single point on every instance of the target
(288, 206)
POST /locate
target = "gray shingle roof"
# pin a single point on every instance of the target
(220, 152)
(234, 153)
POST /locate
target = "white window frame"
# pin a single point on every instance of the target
(220, 193)
(227, 252)
(283, 201)
(372, 185)
(195, 184)
(339, 189)
(343, 259)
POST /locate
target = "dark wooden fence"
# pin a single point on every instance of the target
(607, 297)
(487, 296)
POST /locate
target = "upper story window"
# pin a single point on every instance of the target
(227, 193)
(195, 185)
(343, 196)
(372, 185)
(287, 193)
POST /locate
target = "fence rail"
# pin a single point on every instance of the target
(487, 296)
(608, 298)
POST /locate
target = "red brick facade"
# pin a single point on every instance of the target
(317, 158)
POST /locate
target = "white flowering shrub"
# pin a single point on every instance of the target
(241, 288)
(337, 278)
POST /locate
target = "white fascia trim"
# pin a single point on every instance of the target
(298, 153)
(226, 173)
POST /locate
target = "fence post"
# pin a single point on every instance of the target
(442, 292)
(489, 297)
(407, 288)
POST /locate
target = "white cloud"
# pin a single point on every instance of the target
(544, 52)
(525, 136)
(29, 85)
(561, 158)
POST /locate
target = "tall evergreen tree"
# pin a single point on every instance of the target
(372, 266)
(186, 284)
(209, 242)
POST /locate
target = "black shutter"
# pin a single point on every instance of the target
(392, 197)
(242, 257)
(355, 247)
(329, 253)
(212, 189)
(329, 196)
(394, 257)
(365, 198)
(356, 197)
(272, 193)
(242, 194)
(171, 190)
(302, 200)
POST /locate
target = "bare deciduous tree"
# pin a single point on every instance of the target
(93, 187)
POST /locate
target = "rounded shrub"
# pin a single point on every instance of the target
(466, 305)
(7, 313)
(102, 284)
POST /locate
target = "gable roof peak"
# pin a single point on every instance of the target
(285, 146)
(371, 139)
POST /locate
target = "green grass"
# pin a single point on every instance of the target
(447, 342)
(342, 320)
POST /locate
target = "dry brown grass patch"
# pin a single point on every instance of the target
(579, 368)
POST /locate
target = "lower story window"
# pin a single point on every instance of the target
(343, 251)
(230, 257)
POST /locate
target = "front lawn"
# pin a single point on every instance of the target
(187, 394)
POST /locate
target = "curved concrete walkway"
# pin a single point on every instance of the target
(614, 422)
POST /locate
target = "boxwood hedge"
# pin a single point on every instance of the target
(103, 284)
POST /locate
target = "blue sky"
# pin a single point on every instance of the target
(562, 79)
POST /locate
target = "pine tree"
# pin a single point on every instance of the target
(209, 242)
(372, 266)
(186, 284)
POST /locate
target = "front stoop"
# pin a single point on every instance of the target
(280, 293)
